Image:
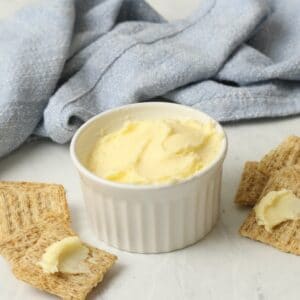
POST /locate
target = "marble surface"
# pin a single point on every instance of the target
(221, 266)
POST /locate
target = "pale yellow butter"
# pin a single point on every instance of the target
(155, 151)
(66, 256)
(277, 207)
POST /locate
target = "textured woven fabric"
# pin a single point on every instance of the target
(63, 61)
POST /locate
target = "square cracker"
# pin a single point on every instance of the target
(286, 178)
(23, 204)
(286, 154)
(251, 185)
(256, 175)
(14, 248)
(285, 236)
(66, 286)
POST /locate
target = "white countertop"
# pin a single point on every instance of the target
(221, 266)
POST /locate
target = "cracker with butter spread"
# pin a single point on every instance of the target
(34, 216)
(66, 286)
(23, 204)
(285, 236)
(256, 175)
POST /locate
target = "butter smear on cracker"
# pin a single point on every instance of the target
(66, 256)
(277, 207)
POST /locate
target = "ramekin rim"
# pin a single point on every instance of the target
(126, 186)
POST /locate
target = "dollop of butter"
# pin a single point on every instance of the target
(277, 207)
(66, 256)
(155, 151)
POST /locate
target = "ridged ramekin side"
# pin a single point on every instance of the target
(157, 220)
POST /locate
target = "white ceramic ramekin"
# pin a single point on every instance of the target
(153, 218)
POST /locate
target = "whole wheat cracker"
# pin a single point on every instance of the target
(15, 246)
(285, 236)
(255, 176)
(23, 204)
(251, 185)
(66, 286)
(286, 154)
(285, 178)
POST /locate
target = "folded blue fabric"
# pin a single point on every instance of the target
(63, 61)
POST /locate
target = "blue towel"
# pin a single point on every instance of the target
(63, 61)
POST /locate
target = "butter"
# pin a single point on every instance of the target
(66, 256)
(277, 207)
(155, 151)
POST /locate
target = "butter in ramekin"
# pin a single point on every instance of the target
(155, 151)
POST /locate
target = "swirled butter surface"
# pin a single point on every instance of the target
(155, 151)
